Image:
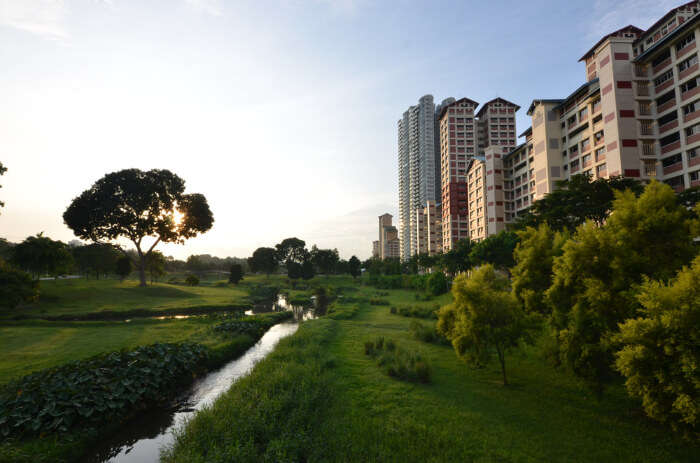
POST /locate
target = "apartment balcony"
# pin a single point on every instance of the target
(673, 168)
(687, 72)
(645, 110)
(642, 90)
(648, 149)
(660, 88)
(678, 188)
(661, 66)
(683, 51)
(602, 173)
(692, 138)
(600, 158)
(668, 126)
(646, 131)
(666, 106)
(670, 147)
(587, 164)
(690, 93)
(575, 169)
(691, 116)
(599, 141)
(640, 71)
(694, 162)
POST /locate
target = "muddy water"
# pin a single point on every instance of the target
(141, 440)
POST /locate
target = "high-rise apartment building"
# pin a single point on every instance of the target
(388, 244)
(418, 173)
(637, 115)
(429, 229)
(465, 135)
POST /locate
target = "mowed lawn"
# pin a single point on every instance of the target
(80, 296)
(29, 346)
(465, 414)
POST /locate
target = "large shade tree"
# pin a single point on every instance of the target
(40, 255)
(135, 204)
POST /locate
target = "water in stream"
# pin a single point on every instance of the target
(141, 441)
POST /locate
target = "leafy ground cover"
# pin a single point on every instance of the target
(320, 398)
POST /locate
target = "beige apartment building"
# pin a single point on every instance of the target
(388, 244)
(464, 136)
(637, 115)
(429, 229)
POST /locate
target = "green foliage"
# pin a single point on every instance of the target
(660, 354)
(532, 274)
(398, 362)
(307, 270)
(16, 287)
(426, 333)
(123, 267)
(155, 265)
(40, 255)
(458, 259)
(192, 280)
(95, 258)
(355, 267)
(496, 250)
(436, 284)
(254, 327)
(293, 270)
(595, 279)
(292, 250)
(577, 200)
(325, 260)
(135, 204)
(263, 260)
(101, 390)
(262, 294)
(485, 316)
(235, 274)
(416, 311)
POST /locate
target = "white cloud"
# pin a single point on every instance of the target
(41, 17)
(212, 7)
(611, 15)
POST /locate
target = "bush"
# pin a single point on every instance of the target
(397, 362)
(416, 312)
(426, 333)
(436, 284)
(660, 353)
(376, 301)
(16, 287)
(192, 280)
(101, 390)
(392, 309)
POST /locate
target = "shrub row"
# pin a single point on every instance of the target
(398, 362)
(416, 311)
(104, 389)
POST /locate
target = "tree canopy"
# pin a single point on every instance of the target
(263, 260)
(292, 250)
(40, 255)
(355, 267)
(136, 204)
(95, 258)
(576, 200)
(496, 249)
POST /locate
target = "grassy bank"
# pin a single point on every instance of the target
(320, 398)
(220, 346)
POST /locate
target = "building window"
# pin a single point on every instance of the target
(583, 114)
(690, 108)
(668, 75)
(599, 153)
(601, 170)
(691, 84)
(585, 144)
(671, 160)
(661, 58)
(685, 64)
(650, 167)
(687, 40)
(692, 130)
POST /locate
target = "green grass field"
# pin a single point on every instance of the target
(79, 296)
(32, 345)
(319, 398)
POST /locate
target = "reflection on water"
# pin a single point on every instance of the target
(141, 440)
(303, 312)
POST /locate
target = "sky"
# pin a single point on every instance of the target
(281, 112)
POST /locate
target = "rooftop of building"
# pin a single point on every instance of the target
(444, 108)
(541, 101)
(665, 17)
(527, 131)
(630, 28)
(517, 149)
(693, 20)
(495, 100)
(584, 88)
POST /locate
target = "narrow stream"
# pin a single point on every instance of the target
(140, 441)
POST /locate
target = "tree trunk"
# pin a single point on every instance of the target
(142, 271)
